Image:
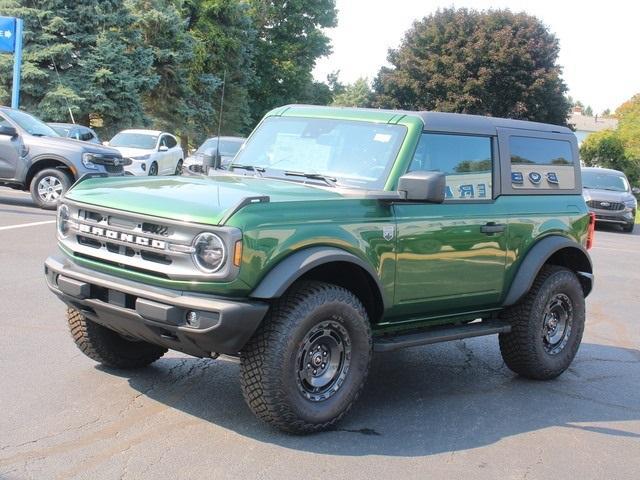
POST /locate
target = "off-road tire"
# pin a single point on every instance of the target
(60, 175)
(269, 365)
(108, 347)
(523, 349)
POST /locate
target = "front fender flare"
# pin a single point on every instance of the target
(538, 255)
(293, 267)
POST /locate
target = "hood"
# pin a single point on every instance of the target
(62, 144)
(192, 199)
(606, 195)
(128, 152)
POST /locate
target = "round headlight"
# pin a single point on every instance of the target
(209, 252)
(63, 220)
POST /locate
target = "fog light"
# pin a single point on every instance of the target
(192, 319)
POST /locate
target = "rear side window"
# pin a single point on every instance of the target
(541, 163)
(466, 161)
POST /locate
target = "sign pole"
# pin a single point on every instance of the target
(17, 63)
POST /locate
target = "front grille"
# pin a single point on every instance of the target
(604, 205)
(113, 168)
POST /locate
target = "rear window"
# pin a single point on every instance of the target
(540, 163)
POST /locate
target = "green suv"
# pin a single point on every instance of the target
(335, 233)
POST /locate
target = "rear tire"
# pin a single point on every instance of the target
(546, 326)
(108, 347)
(48, 186)
(305, 366)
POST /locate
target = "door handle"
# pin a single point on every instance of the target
(492, 227)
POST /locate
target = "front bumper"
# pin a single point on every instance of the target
(154, 314)
(139, 168)
(620, 217)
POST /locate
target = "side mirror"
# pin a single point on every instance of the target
(163, 148)
(8, 130)
(421, 186)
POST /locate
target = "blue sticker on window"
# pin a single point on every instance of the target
(516, 177)
(535, 177)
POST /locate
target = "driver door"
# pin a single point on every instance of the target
(164, 157)
(9, 153)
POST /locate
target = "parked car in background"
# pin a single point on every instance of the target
(225, 149)
(77, 132)
(34, 157)
(610, 197)
(152, 152)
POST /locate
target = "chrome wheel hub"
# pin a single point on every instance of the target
(49, 189)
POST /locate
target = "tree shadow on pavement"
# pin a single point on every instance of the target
(422, 401)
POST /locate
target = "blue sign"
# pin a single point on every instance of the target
(7, 34)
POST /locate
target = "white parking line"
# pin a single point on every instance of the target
(23, 225)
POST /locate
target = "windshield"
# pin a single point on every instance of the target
(604, 181)
(134, 140)
(31, 124)
(356, 154)
(60, 130)
(228, 148)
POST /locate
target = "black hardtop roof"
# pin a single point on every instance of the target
(455, 122)
(465, 123)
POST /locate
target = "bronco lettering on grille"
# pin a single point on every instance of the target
(123, 237)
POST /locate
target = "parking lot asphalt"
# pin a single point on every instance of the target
(443, 411)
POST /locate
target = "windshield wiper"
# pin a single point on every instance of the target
(257, 170)
(314, 176)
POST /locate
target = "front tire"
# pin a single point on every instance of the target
(179, 168)
(628, 228)
(305, 366)
(108, 347)
(546, 326)
(47, 186)
(153, 169)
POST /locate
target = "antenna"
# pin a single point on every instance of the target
(218, 156)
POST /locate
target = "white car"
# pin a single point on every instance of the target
(152, 152)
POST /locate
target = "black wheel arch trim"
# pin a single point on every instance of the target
(537, 256)
(293, 267)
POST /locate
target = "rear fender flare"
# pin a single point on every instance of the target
(540, 254)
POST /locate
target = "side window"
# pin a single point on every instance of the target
(466, 161)
(541, 163)
(86, 135)
(170, 141)
(163, 141)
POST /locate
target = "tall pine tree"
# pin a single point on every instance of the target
(80, 56)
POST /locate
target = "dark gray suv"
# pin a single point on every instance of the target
(609, 197)
(34, 157)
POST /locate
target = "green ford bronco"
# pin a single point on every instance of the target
(335, 233)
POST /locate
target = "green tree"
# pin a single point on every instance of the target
(491, 63)
(588, 111)
(225, 44)
(628, 115)
(357, 94)
(289, 41)
(81, 57)
(164, 33)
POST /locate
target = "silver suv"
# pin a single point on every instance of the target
(609, 197)
(34, 157)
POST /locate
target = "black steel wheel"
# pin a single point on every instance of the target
(546, 326)
(323, 361)
(306, 364)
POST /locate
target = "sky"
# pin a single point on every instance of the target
(599, 41)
